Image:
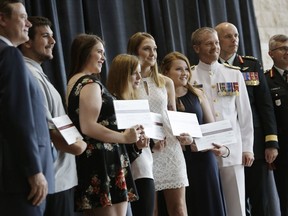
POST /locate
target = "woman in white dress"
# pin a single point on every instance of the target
(169, 168)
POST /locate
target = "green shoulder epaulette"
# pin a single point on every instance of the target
(250, 57)
(192, 67)
(231, 66)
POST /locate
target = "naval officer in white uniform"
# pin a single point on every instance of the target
(227, 95)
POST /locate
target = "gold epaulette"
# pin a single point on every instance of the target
(231, 66)
(250, 57)
(192, 67)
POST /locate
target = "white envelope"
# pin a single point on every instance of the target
(182, 122)
(67, 129)
(132, 112)
(220, 132)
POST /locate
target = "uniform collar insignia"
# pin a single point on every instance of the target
(271, 73)
(244, 68)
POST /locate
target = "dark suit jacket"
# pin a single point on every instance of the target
(25, 147)
(279, 92)
(261, 104)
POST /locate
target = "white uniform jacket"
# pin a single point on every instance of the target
(235, 107)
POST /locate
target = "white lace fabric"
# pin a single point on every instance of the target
(169, 168)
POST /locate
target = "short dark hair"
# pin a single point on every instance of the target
(36, 22)
(5, 6)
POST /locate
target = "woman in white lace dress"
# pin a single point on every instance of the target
(169, 168)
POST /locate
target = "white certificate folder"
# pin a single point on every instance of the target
(67, 129)
(136, 112)
(182, 122)
(220, 132)
(132, 112)
(156, 131)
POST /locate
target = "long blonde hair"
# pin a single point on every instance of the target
(132, 48)
(119, 76)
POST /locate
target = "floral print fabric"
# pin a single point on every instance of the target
(103, 169)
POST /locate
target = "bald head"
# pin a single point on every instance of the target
(228, 39)
(222, 27)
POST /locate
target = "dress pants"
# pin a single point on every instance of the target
(233, 185)
(261, 195)
(281, 180)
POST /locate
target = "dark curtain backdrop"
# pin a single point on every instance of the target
(171, 22)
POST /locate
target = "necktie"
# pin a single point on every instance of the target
(285, 76)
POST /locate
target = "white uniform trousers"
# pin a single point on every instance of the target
(233, 185)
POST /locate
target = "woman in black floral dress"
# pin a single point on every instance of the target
(105, 184)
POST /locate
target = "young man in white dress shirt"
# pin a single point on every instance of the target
(37, 50)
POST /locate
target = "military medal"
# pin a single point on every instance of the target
(228, 89)
(251, 78)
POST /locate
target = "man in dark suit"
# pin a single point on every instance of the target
(277, 82)
(265, 130)
(26, 167)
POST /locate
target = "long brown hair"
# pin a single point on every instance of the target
(80, 51)
(167, 64)
(119, 76)
(132, 48)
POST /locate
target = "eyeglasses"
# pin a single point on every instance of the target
(282, 49)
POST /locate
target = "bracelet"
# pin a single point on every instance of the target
(227, 153)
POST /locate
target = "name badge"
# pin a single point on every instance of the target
(228, 89)
(251, 78)
(278, 102)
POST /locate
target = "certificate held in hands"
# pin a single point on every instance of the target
(67, 129)
(137, 112)
(182, 122)
(132, 112)
(220, 132)
(156, 131)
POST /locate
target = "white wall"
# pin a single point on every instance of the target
(272, 18)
